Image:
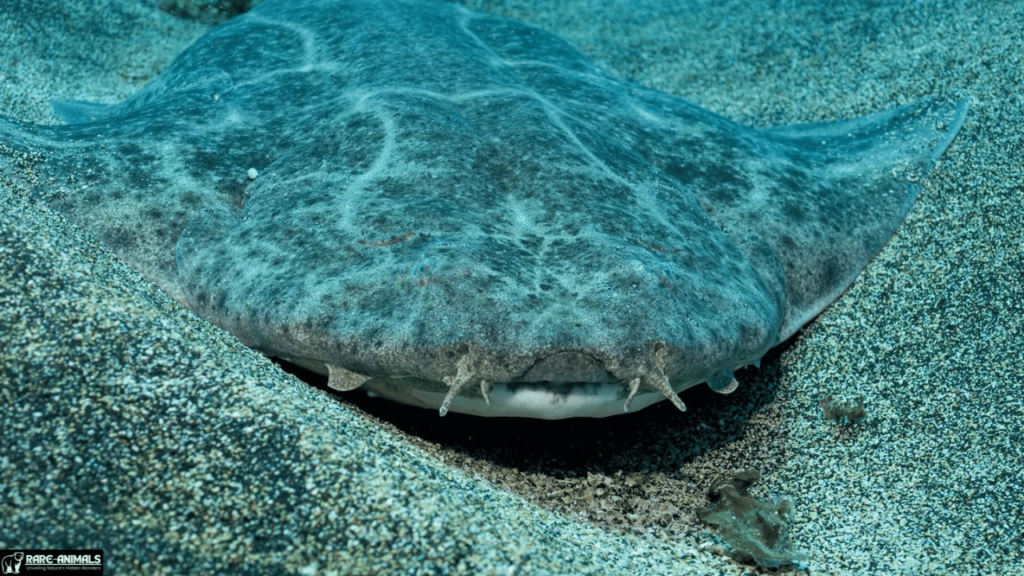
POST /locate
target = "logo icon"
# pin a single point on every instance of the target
(12, 564)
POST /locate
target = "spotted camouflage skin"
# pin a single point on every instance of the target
(448, 205)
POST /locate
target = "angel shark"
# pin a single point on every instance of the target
(459, 211)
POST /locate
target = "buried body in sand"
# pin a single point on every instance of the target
(474, 218)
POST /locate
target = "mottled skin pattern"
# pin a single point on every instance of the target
(449, 201)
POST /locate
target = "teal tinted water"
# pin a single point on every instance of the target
(170, 420)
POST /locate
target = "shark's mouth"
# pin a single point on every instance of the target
(566, 384)
(544, 400)
(595, 393)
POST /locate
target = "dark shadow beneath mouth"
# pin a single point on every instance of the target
(661, 434)
(642, 472)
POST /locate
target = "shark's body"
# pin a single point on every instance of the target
(460, 211)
